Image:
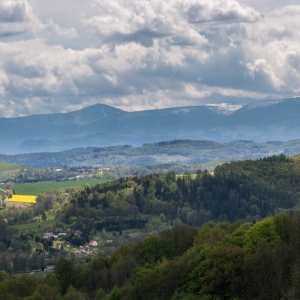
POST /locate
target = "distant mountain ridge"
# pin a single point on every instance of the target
(101, 126)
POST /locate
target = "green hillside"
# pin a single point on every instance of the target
(242, 242)
(8, 170)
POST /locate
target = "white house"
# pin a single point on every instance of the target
(49, 269)
(93, 243)
(48, 235)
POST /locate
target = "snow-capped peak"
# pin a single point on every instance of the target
(224, 108)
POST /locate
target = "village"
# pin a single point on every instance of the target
(102, 244)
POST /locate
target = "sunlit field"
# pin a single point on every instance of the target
(22, 199)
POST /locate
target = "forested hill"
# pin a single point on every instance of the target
(217, 262)
(258, 259)
(248, 190)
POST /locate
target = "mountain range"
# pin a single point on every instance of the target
(101, 126)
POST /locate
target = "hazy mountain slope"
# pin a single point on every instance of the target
(101, 125)
(268, 121)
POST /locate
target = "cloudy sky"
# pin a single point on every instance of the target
(62, 55)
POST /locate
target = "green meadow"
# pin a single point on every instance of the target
(35, 227)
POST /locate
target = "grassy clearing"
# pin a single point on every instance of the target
(211, 165)
(36, 188)
(193, 176)
(38, 227)
(6, 167)
(38, 274)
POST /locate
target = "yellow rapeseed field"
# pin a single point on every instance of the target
(22, 198)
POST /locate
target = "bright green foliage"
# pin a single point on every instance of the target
(238, 236)
(262, 230)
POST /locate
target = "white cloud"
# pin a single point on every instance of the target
(145, 54)
(218, 11)
(272, 48)
(15, 11)
(52, 28)
(18, 17)
(142, 21)
(15, 16)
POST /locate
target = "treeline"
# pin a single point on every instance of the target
(216, 262)
(249, 190)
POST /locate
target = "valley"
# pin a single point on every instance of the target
(127, 218)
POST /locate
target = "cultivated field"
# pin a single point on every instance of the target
(36, 188)
(22, 199)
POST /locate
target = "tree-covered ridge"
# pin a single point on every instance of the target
(166, 152)
(240, 190)
(248, 190)
(221, 261)
(247, 259)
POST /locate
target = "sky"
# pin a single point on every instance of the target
(63, 55)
